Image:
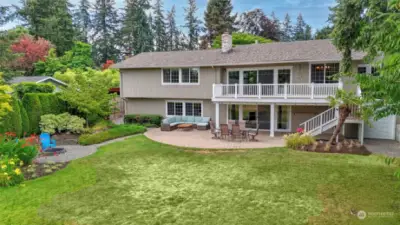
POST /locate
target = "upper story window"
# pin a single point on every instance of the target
(367, 69)
(324, 72)
(181, 76)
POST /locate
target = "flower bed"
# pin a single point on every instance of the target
(37, 170)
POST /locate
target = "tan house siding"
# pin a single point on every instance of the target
(300, 114)
(158, 107)
(147, 83)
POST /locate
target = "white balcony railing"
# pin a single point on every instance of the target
(284, 91)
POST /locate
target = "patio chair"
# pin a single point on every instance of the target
(253, 133)
(236, 132)
(214, 131)
(225, 131)
(47, 142)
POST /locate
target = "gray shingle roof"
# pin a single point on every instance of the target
(35, 79)
(256, 54)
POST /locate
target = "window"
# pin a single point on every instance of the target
(193, 109)
(190, 75)
(180, 76)
(174, 108)
(283, 76)
(233, 112)
(323, 73)
(178, 108)
(233, 77)
(283, 117)
(367, 69)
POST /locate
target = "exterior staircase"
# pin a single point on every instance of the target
(327, 120)
(321, 123)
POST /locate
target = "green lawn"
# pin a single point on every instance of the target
(138, 181)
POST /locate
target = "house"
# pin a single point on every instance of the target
(39, 79)
(280, 86)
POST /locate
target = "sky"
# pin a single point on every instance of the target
(315, 12)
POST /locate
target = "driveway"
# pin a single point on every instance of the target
(385, 147)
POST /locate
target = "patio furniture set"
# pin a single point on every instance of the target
(235, 133)
(185, 123)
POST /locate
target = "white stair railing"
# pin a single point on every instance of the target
(317, 124)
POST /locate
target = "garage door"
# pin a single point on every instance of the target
(381, 129)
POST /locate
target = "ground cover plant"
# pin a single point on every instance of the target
(138, 181)
(116, 131)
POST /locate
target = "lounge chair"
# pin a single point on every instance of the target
(47, 142)
(214, 131)
(253, 133)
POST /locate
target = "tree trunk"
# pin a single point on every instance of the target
(344, 112)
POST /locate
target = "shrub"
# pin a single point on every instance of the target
(61, 123)
(297, 140)
(24, 150)
(10, 172)
(30, 87)
(113, 133)
(12, 122)
(32, 106)
(143, 119)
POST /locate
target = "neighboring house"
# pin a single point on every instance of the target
(39, 79)
(280, 86)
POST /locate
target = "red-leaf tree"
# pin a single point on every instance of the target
(108, 64)
(31, 50)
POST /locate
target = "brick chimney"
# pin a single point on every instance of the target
(226, 42)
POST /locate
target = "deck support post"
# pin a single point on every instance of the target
(217, 115)
(272, 122)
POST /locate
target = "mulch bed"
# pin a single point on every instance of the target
(66, 139)
(37, 170)
(344, 147)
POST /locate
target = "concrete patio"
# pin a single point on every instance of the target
(203, 139)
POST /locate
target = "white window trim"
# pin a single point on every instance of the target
(180, 76)
(183, 106)
(367, 66)
(275, 69)
(323, 62)
(276, 117)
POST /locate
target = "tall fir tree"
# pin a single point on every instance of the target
(105, 32)
(308, 33)
(173, 34)
(300, 28)
(83, 21)
(276, 28)
(218, 17)
(160, 36)
(193, 24)
(136, 28)
(287, 29)
(50, 19)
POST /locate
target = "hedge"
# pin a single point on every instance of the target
(143, 119)
(30, 87)
(26, 127)
(113, 133)
(33, 107)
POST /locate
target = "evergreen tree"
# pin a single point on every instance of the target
(136, 27)
(308, 33)
(51, 20)
(160, 35)
(173, 34)
(299, 29)
(193, 24)
(324, 33)
(287, 29)
(276, 28)
(218, 17)
(83, 21)
(105, 28)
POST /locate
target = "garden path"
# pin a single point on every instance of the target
(76, 151)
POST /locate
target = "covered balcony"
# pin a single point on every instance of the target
(285, 93)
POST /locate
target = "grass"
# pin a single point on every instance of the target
(138, 181)
(116, 131)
